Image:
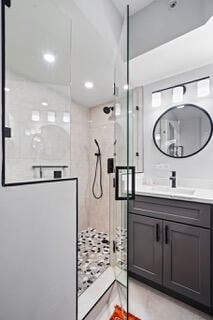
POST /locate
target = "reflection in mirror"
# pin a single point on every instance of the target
(182, 131)
(37, 91)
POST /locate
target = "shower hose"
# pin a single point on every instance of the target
(98, 166)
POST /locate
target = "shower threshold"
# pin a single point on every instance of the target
(89, 297)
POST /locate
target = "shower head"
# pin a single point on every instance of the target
(108, 109)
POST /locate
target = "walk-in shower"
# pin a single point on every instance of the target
(94, 236)
(93, 244)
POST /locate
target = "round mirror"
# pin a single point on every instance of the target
(183, 131)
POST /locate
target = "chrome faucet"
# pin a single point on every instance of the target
(173, 179)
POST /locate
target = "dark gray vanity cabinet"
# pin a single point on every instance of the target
(146, 247)
(186, 261)
(173, 248)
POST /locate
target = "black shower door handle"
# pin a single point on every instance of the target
(124, 171)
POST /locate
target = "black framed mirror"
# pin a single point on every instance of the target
(183, 131)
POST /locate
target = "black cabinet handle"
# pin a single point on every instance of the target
(166, 234)
(157, 232)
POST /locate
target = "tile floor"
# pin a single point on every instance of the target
(121, 247)
(150, 304)
(147, 304)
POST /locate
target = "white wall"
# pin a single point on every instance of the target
(157, 165)
(38, 250)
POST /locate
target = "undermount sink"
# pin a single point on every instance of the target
(166, 189)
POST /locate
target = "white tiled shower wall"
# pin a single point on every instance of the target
(41, 142)
(58, 143)
(89, 124)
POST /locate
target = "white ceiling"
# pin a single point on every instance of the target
(83, 51)
(135, 5)
(188, 52)
(92, 47)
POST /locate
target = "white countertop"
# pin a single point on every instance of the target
(180, 193)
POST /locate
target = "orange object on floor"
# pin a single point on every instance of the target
(120, 314)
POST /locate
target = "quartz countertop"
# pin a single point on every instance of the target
(179, 193)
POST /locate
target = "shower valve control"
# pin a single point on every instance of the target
(110, 165)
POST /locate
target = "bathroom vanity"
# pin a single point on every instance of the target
(170, 244)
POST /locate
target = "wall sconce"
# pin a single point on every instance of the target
(203, 88)
(35, 116)
(51, 116)
(66, 117)
(177, 94)
(156, 99)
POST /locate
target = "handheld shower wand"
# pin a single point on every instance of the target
(99, 151)
(98, 164)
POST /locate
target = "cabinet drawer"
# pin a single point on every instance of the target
(192, 213)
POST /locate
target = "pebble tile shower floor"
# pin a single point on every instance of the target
(94, 255)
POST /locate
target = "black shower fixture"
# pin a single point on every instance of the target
(107, 110)
(98, 173)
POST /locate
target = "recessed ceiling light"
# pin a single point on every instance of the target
(49, 57)
(44, 104)
(7, 89)
(89, 85)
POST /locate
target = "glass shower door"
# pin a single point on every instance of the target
(124, 183)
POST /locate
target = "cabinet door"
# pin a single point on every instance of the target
(145, 247)
(187, 261)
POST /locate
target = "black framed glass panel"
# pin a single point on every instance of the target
(35, 91)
